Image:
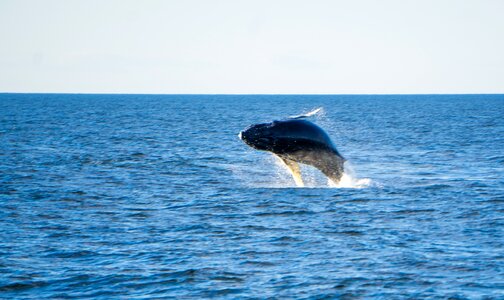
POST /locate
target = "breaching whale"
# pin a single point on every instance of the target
(297, 140)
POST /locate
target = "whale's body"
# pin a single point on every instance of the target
(297, 141)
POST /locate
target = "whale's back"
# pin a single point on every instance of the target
(302, 133)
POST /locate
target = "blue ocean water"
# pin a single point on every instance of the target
(154, 196)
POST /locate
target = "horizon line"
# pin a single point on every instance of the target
(244, 94)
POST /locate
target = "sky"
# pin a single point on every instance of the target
(252, 47)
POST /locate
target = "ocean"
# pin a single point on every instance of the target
(155, 197)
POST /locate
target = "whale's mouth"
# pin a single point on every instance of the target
(262, 141)
(240, 135)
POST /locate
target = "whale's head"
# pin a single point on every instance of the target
(260, 136)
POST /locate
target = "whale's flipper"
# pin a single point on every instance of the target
(295, 170)
(332, 166)
(311, 113)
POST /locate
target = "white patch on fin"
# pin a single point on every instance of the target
(311, 113)
(294, 169)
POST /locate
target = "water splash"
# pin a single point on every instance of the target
(313, 178)
(349, 181)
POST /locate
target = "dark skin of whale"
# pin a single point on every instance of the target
(297, 141)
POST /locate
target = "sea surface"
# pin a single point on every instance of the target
(155, 197)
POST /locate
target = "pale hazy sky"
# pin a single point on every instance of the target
(255, 46)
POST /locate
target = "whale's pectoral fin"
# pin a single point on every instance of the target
(295, 170)
(332, 167)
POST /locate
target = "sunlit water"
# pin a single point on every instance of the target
(134, 196)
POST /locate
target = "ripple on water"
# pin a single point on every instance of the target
(122, 196)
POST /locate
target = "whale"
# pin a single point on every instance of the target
(295, 141)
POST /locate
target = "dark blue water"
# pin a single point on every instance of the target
(135, 196)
